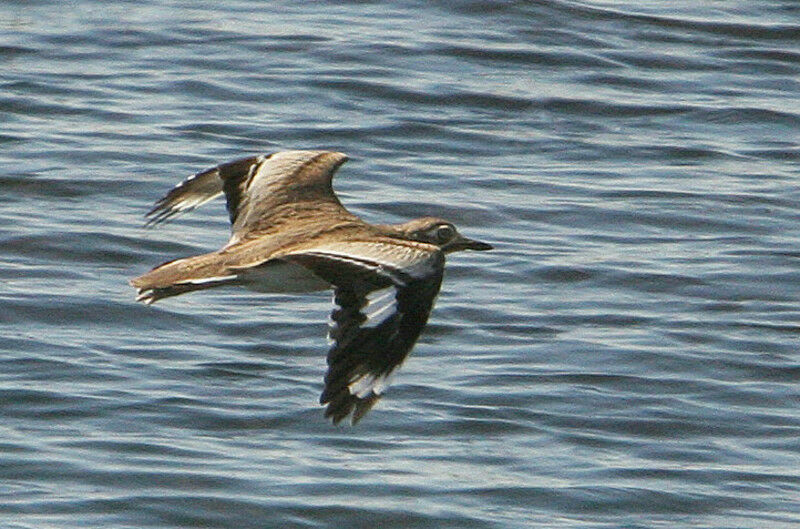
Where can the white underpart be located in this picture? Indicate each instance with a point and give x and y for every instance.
(281, 277)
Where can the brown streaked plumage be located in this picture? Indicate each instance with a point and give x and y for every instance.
(290, 233)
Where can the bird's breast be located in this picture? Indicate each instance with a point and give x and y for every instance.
(281, 277)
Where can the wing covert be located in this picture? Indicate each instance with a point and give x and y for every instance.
(258, 188)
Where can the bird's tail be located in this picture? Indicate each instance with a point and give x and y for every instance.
(181, 276)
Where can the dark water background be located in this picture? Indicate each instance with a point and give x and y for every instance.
(627, 357)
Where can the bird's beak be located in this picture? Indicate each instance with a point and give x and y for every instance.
(462, 243)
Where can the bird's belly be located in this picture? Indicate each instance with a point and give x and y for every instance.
(281, 277)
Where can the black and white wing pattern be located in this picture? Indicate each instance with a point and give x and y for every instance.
(203, 187)
(382, 302)
(256, 187)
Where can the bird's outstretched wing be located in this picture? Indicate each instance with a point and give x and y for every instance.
(202, 187)
(382, 301)
(257, 187)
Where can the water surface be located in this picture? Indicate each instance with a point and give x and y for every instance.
(626, 357)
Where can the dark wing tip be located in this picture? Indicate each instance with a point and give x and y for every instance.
(344, 404)
(161, 212)
(201, 187)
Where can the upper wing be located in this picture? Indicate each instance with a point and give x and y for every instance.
(202, 187)
(256, 187)
(383, 298)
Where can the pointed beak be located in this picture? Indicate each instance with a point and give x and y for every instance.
(462, 243)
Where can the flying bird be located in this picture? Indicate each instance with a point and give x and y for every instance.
(290, 234)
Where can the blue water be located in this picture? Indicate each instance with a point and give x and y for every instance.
(627, 356)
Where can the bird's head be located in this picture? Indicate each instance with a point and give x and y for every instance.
(439, 232)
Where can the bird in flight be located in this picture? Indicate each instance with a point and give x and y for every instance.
(290, 234)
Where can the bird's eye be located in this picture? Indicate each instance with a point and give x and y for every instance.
(444, 233)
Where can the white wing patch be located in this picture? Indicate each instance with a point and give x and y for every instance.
(192, 201)
(384, 291)
(145, 296)
(189, 194)
(380, 305)
(369, 383)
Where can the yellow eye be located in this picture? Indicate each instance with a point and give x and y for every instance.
(444, 233)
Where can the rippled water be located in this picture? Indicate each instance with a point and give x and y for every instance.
(626, 357)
